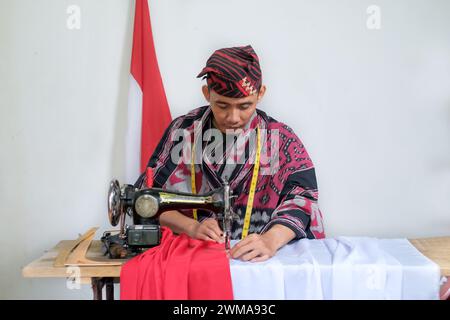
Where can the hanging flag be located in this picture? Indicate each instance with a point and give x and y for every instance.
(148, 110)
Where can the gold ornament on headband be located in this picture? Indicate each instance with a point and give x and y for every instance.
(247, 86)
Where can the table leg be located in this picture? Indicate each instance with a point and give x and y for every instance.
(109, 282)
(97, 288)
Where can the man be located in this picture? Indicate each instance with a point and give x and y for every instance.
(279, 204)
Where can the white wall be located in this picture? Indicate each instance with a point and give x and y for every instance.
(371, 106)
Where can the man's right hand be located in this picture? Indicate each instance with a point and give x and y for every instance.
(208, 230)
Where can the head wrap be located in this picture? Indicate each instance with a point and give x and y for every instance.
(233, 72)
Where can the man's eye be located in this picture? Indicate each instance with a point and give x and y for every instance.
(245, 106)
(223, 106)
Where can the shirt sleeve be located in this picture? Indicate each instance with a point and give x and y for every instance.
(297, 206)
(298, 203)
(162, 148)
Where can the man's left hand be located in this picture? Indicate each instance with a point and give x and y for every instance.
(259, 247)
(255, 247)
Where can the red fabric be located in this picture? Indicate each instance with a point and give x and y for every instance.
(180, 268)
(144, 68)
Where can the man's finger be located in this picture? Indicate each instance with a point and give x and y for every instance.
(239, 245)
(212, 234)
(217, 232)
(260, 258)
(214, 225)
(204, 237)
(242, 250)
(250, 255)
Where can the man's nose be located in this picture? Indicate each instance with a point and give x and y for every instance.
(233, 116)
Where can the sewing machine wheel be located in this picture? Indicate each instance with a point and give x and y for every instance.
(114, 203)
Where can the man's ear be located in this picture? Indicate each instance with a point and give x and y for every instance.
(261, 92)
(205, 91)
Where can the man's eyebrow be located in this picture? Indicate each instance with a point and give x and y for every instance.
(240, 103)
(220, 101)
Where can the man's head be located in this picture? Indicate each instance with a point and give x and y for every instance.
(234, 86)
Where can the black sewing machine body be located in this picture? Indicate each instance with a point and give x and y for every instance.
(145, 205)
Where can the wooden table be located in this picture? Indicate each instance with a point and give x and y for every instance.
(98, 276)
(437, 249)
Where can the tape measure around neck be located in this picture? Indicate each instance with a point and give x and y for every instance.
(193, 188)
(251, 195)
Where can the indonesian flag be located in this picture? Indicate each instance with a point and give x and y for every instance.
(148, 110)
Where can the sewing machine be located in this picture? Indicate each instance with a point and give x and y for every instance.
(145, 205)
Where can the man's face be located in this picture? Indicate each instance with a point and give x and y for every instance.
(231, 113)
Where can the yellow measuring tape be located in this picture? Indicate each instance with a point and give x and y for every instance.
(193, 188)
(251, 196)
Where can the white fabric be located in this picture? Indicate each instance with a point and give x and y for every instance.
(341, 268)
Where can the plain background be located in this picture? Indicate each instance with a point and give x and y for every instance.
(371, 106)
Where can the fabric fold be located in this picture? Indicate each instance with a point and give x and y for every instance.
(180, 268)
